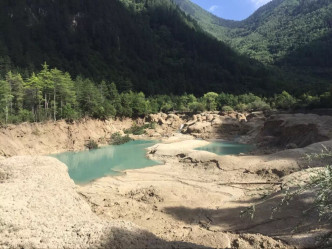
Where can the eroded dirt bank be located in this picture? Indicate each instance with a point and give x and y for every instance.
(278, 130)
(54, 137)
(193, 201)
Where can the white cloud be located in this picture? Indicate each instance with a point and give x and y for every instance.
(259, 3)
(213, 8)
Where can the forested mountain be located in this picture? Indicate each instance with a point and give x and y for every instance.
(288, 33)
(68, 59)
(142, 45)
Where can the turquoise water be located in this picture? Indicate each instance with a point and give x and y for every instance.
(227, 148)
(85, 166)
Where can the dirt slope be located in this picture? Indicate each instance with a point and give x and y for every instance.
(40, 208)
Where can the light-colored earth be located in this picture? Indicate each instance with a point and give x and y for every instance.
(194, 200)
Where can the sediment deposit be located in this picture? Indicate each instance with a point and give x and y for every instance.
(194, 200)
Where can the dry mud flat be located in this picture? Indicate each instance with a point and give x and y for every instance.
(193, 201)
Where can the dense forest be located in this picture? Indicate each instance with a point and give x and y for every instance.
(52, 94)
(295, 35)
(145, 45)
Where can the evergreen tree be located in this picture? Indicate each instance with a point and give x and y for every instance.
(16, 83)
(5, 99)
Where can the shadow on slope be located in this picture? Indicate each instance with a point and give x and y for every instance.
(311, 60)
(127, 239)
(294, 219)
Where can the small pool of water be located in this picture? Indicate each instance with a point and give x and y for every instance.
(226, 148)
(85, 166)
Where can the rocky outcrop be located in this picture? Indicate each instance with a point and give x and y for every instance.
(295, 130)
(166, 124)
(215, 125)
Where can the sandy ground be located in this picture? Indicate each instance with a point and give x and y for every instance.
(194, 200)
(198, 196)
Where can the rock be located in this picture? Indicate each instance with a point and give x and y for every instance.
(291, 146)
(209, 117)
(152, 118)
(295, 129)
(156, 134)
(173, 117)
(161, 121)
(217, 121)
(199, 127)
(241, 117)
(232, 115)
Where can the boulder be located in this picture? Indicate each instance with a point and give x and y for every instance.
(199, 127)
(209, 117)
(241, 117)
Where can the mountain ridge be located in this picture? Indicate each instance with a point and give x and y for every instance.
(301, 21)
(148, 46)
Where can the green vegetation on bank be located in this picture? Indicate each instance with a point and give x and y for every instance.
(139, 130)
(117, 139)
(91, 145)
(52, 94)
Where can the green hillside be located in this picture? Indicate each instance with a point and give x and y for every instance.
(149, 46)
(283, 32)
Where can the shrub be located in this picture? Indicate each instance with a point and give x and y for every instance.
(226, 99)
(91, 145)
(241, 107)
(139, 130)
(210, 101)
(227, 108)
(196, 107)
(135, 130)
(259, 105)
(117, 139)
(284, 101)
(152, 125)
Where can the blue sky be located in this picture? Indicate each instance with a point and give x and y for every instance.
(231, 9)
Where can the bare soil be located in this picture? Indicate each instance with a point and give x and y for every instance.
(195, 199)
